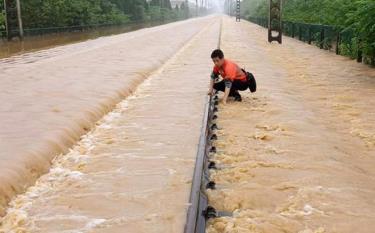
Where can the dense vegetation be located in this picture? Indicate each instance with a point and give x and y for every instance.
(61, 13)
(357, 16)
(2, 17)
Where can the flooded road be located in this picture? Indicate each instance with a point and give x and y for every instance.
(299, 155)
(133, 171)
(35, 43)
(52, 97)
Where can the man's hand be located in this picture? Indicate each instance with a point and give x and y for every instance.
(226, 94)
(210, 92)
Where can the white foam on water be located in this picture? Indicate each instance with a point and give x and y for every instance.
(93, 223)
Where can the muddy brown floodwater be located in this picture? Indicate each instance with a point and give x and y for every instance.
(299, 155)
(133, 171)
(52, 97)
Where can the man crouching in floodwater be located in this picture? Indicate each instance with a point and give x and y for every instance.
(234, 78)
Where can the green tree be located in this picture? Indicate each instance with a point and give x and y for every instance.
(59, 13)
(65, 13)
(355, 17)
(2, 16)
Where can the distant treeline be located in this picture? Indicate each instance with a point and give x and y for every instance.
(355, 16)
(65, 13)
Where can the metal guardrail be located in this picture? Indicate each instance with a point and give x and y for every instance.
(199, 210)
(342, 41)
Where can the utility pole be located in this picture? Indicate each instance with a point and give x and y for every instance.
(230, 7)
(13, 19)
(274, 21)
(196, 8)
(201, 10)
(238, 10)
(186, 9)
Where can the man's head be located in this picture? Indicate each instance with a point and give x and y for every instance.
(217, 57)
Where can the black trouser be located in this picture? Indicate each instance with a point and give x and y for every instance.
(237, 85)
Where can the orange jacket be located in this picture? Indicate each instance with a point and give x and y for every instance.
(230, 71)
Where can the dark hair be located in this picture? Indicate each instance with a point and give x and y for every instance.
(217, 53)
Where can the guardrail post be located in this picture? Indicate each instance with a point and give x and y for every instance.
(359, 51)
(309, 39)
(293, 32)
(322, 38)
(338, 42)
